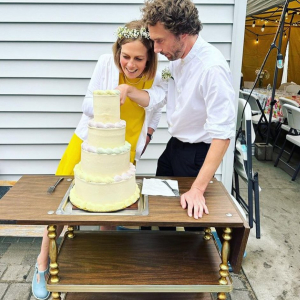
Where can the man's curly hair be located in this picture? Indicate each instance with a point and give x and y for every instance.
(177, 16)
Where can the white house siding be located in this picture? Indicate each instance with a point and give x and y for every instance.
(48, 50)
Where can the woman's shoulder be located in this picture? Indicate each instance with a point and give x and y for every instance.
(106, 57)
(105, 61)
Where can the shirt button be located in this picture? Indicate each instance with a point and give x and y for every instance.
(179, 90)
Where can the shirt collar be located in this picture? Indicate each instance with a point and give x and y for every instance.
(195, 50)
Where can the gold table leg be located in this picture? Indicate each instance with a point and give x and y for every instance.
(53, 254)
(56, 296)
(54, 278)
(207, 235)
(224, 269)
(70, 232)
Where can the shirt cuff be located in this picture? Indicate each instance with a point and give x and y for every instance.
(223, 132)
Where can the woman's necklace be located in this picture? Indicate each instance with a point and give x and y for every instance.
(132, 83)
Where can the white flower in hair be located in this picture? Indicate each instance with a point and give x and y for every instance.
(132, 33)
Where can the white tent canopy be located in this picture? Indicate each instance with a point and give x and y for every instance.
(257, 6)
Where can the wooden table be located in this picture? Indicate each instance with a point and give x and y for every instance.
(134, 264)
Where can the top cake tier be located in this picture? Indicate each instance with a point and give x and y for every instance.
(106, 106)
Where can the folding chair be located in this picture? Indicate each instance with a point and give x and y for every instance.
(259, 118)
(285, 126)
(293, 136)
(243, 164)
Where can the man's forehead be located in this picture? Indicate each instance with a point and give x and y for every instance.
(158, 31)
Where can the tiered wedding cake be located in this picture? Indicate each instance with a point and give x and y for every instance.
(105, 178)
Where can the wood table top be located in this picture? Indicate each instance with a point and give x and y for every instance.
(27, 202)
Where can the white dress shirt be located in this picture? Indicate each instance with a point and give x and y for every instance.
(106, 77)
(200, 98)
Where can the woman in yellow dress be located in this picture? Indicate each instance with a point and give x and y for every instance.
(133, 62)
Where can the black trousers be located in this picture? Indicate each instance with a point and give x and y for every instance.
(182, 160)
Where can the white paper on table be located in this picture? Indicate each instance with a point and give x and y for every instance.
(155, 187)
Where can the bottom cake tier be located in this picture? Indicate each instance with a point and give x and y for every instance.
(104, 197)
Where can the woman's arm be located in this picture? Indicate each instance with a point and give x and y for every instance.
(140, 97)
(155, 97)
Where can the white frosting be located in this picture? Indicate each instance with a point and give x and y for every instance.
(106, 92)
(101, 150)
(96, 164)
(120, 124)
(104, 196)
(105, 178)
(106, 137)
(106, 108)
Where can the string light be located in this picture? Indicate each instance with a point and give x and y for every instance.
(256, 40)
(285, 35)
(263, 28)
(253, 25)
(279, 62)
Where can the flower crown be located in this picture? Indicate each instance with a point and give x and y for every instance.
(132, 33)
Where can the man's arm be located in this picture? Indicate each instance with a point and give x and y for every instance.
(194, 198)
(148, 139)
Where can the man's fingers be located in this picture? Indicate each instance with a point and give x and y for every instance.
(206, 209)
(201, 211)
(197, 209)
(182, 201)
(190, 209)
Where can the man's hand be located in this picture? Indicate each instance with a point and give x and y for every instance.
(194, 200)
(147, 142)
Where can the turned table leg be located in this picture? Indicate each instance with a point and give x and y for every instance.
(53, 254)
(56, 296)
(224, 269)
(207, 234)
(70, 232)
(54, 278)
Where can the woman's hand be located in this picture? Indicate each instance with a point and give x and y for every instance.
(140, 97)
(124, 89)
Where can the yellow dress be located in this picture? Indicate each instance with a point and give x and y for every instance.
(70, 158)
(132, 113)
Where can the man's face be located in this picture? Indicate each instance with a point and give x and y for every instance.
(166, 43)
